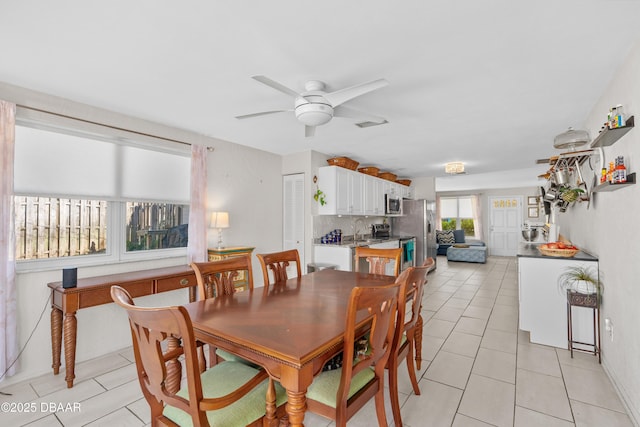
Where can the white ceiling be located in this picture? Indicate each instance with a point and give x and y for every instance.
(488, 83)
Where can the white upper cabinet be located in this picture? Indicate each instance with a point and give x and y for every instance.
(350, 192)
(343, 189)
(373, 196)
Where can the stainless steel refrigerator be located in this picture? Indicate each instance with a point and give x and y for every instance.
(418, 220)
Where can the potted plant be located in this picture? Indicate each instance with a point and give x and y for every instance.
(570, 194)
(319, 197)
(580, 279)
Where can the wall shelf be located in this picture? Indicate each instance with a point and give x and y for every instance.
(631, 179)
(609, 136)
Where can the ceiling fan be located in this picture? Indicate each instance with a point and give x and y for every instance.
(315, 107)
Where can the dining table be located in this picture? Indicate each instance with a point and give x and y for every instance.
(291, 329)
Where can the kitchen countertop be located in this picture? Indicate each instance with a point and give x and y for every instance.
(530, 250)
(366, 241)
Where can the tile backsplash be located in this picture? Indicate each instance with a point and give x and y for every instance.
(322, 224)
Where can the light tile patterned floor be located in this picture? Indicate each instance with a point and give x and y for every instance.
(479, 370)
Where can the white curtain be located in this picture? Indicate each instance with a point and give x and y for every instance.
(438, 215)
(197, 246)
(477, 216)
(8, 301)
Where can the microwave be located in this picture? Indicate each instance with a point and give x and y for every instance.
(392, 205)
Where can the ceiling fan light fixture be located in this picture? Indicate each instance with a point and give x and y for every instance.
(313, 114)
(454, 168)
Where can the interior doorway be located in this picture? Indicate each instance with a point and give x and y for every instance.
(293, 214)
(505, 216)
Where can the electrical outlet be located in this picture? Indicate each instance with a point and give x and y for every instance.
(608, 326)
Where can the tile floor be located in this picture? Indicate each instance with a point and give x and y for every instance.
(479, 370)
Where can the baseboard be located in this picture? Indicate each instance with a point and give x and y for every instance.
(633, 412)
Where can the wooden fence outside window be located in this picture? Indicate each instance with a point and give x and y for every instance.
(52, 227)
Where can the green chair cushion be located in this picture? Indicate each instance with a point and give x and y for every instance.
(325, 386)
(230, 357)
(221, 379)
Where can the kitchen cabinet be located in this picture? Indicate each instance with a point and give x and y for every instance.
(342, 256)
(543, 304)
(349, 192)
(344, 192)
(373, 196)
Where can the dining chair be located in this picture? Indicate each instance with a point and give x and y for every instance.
(404, 343)
(430, 263)
(378, 259)
(338, 394)
(215, 278)
(277, 263)
(229, 394)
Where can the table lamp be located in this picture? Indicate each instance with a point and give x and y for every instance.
(220, 220)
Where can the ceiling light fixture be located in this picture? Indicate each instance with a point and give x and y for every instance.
(454, 168)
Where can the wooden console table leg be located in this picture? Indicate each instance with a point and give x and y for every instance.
(418, 341)
(56, 338)
(70, 332)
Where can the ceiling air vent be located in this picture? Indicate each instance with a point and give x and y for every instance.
(369, 124)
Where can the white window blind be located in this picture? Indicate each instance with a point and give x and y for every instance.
(465, 209)
(448, 208)
(54, 163)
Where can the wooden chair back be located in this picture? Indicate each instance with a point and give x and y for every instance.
(160, 336)
(216, 277)
(409, 321)
(277, 263)
(378, 259)
(380, 303)
(430, 263)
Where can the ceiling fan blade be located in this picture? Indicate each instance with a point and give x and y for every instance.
(277, 86)
(542, 161)
(309, 131)
(352, 113)
(343, 95)
(264, 113)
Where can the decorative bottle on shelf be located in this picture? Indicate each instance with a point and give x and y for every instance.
(620, 122)
(603, 176)
(610, 173)
(621, 170)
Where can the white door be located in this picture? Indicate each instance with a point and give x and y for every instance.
(504, 226)
(293, 214)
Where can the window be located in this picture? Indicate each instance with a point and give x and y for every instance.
(156, 226)
(457, 213)
(80, 198)
(51, 227)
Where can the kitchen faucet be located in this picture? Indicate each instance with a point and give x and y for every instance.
(356, 229)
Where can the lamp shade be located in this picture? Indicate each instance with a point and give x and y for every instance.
(220, 220)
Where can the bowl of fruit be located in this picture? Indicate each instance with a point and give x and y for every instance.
(558, 249)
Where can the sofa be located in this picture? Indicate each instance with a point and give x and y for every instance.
(447, 238)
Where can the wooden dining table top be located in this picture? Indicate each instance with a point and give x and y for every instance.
(293, 323)
(291, 330)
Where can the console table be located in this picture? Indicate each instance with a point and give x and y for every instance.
(93, 291)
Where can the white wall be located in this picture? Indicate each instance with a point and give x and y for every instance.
(244, 181)
(609, 230)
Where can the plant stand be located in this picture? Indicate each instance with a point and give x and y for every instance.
(576, 299)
